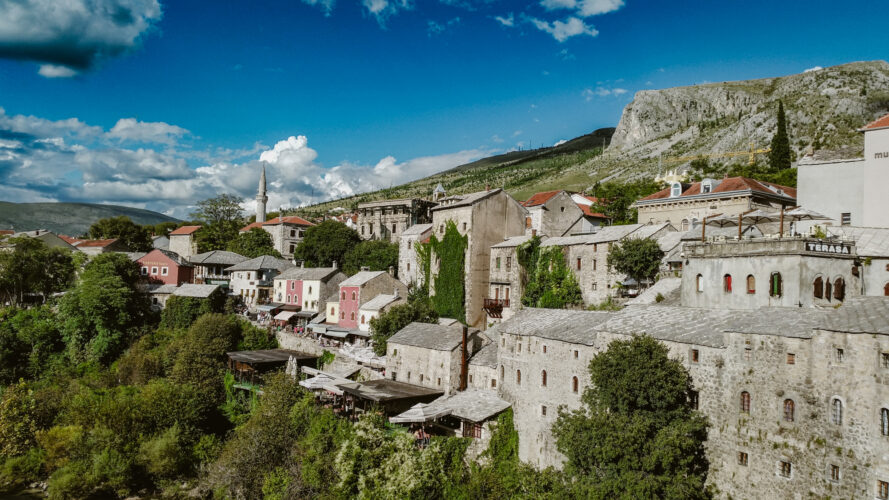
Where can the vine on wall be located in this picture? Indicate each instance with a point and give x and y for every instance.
(450, 282)
(550, 283)
(424, 259)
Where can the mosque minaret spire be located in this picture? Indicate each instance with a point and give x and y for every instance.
(261, 198)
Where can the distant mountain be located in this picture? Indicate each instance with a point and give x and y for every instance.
(824, 108)
(72, 219)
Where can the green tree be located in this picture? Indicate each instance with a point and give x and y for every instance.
(377, 255)
(398, 317)
(33, 268)
(638, 258)
(637, 434)
(614, 199)
(551, 284)
(28, 340)
(161, 228)
(199, 356)
(780, 155)
(135, 237)
(181, 312)
(326, 243)
(254, 243)
(104, 309)
(221, 217)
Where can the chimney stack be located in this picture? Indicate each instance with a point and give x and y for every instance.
(464, 361)
(334, 264)
(391, 271)
(302, 264)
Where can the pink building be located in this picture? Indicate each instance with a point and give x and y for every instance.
(164, 266)
(361, 288)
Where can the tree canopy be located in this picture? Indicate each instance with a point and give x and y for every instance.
(550, 283)
(398, 317)
(135, 237)
(638, 258)
(637, 434)
(33, 268)
(780, 154)
(377, 255)
(221, 217)
(614, 199)
(326, 243)
(254, 243)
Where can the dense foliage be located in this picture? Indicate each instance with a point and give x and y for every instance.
(780, 154)
(550, 283)
(31, 267)
(376, 255)
(135, 237)
(637, 434)
(253, 243)
(638, 258)
(397, 317)
(221, 218)
(614, 199)
(326, 243)
(181, 312)
(450, 281)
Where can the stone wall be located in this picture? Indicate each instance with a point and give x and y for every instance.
(438, 370)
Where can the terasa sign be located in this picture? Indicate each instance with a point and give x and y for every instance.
(829, 248)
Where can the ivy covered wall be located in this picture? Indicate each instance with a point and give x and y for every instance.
(450, 282)
(550, 283)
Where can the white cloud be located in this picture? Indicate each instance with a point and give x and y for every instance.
(585, 8)
(130, 129)
(589, 93)
(382, 9)
(559, 143)
(434, 28)
(619, 91)
(565, 55)
(562, 31)
(326, 5)
(508, 21)
(815, 68)
(517, 133)
(73, 35)
(497, 139)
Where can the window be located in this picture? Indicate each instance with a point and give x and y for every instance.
(594, 264)
(693, 399)
(501, 371)
(834, 472)
(353, 295)
(818, 288)
(543, 410)
(836, 415)
(352, 316)
(439, 379)
(751, 284)
(840, 355)
(845, 219)
(310, 289)
(144, 270)
(293, 233)
(675, 190)
(395, 352)
(575, 354)
(527, 222)
(775, 285)
(791, 358)
(508, 263)
(464, 227)
(343, 315)
(784, 468)
(727, 283)
(574, 384)
(518, 377)
(472, 430)
(561, 209)
(497, 263)
(493, 383)
(595, 286)
(595, 247)
(408, 266)
(332, 311)
(154, 271)
(788, 410)
(839, 289)
(578, 263)
(362, 319)
(699, 283)
(544, 349)
(882, 490)
(441, 228)
(695, 355)
(293, 285)
(393, 228)
(289, 298)
(342, 295)
(706, 186)
(421, 378)
(742, 458)
(748, 353)
(884, 421)
(745, 402)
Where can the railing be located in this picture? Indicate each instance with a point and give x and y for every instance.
(496, 303)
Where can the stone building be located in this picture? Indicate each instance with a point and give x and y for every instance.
(787, 272)
(286, 231)
(486, 218)
(253, 280)
(506, 279)
(49, 238)
(685, 204)
(183, 240)
(308, 288)
(387, 219)
(376, 306)
(431, 355)
(592, 220)
(164, 266)
(97, 247)
(851, 191)
(552, 213)
(408, 264)
(362, 288)
(212, 267)
(872, 248)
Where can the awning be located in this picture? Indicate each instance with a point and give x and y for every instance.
(268, 307)
(306, 314)
(419, 413)
(335, 333)
(285, 316)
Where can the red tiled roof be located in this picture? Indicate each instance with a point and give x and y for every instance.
(70, 239)
(726, 186)
(878, 123)
(96, 243)
(540, 198)
(251, 226)
(7, 231)
(184, 230)
(299, 221)
(589, 213)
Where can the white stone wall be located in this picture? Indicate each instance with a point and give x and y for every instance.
(408, 263)
(438, 370)
(184, 245)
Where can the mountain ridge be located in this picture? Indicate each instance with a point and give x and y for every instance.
(71, 219)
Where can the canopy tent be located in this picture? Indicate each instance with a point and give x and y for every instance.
(800, 213)
(722, 221)
(268, 307)
(285, 315)
(761, 216)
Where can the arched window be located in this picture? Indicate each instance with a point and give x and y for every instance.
(352, 316)
(836, 415)
(776, 285)
(332, 311)
(699, 283)
(310, 289)
(886, 289)
(751, 284)
(884, 421)
(828, 290)
(788, 410)
(518, 377)
(727, 283)
(501, 372)
(362, 319)
(839, 289)
(343, 315)
(353, 295)
(543, 378)
(818, 288)
(675, 190)
(342, 295)
(745, 402)
(574, 385)
(684, 225)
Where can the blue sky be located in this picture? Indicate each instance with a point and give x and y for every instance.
(159, 104)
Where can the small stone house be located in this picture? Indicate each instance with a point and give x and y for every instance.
(307, 288)
(253, 280)
(431, 355)
(551, 213)
(408, 262)
(362, 288)
(375, 307)
(183, 241)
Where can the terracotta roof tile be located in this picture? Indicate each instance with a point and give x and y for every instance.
(96, 243)
(728, 185)
(878, 123)
(250, 226)
(70, 239)
(299, 221)
(184, 230)
(589, 213)
(540, 198)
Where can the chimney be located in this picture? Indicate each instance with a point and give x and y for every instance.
(391, 271)
(487, 187)
(396, 292)
(365, 268)
(334, 264)
(464, 361)
(302, 264)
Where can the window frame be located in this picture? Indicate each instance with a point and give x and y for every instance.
(789, 410)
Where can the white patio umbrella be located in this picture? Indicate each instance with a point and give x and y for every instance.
(419, 413)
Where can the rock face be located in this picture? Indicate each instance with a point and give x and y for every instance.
(824, 109)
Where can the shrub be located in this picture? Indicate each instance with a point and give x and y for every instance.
(164, 456)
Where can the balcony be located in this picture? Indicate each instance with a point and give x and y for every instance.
(494, 307)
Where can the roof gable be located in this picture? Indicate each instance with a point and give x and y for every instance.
(882, 122)
(184, 230)
(540, 198)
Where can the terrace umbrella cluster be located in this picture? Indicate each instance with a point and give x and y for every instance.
(760, 216)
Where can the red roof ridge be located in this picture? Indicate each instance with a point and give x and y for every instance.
(540, 198)
(184, 230)
(881, 122)
(97, 243)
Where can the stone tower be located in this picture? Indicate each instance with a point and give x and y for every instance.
(261, 198)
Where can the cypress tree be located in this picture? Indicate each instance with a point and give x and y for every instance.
(779, 157)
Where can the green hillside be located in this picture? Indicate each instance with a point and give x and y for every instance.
(69, 218)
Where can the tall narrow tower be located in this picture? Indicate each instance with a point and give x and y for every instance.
(261, 198)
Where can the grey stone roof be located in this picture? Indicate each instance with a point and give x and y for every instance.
(648, 230)
(200, 291)
(379, 302)
(859, 315)
(474, 405)
(614, 233)
(308, 273)
(869, 241)
(175, 257)
(667, 287)
(564, 241)
(576, 327)
(416, 230)
(134, 256)
(792, 322)
(361, 278)
(217, 257)
(467, 199)
(513, 241)
(263, 262)
(159, 289)
(677, 324)
(487, 356)
(431, 336)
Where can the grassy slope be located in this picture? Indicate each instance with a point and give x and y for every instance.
(69, 218)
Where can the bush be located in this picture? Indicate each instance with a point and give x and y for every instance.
(16, 472)
(60, 443)
(165, 455)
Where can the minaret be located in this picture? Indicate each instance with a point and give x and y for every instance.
(261, 198)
